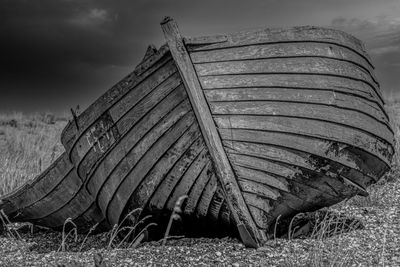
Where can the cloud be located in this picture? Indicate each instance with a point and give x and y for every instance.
(91, 18)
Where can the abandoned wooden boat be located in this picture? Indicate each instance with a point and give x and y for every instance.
(250, 126)
(52, 197)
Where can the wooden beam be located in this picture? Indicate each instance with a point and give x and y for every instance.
(249, 232)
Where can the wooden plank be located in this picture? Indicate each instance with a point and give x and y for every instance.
(281, 50)
(259, 189)
(320, 97)
(94, 151)
(139, 98)
(336, 152)
(260, 217)
(187, 180)
(205, 200)
(115, 195)
(260, 176)
(111, 96)
(345, 117)
(284, 35)
(77, 206)
(172, 162)
(197, 188)
(176, 176)
(57, 198)
(137, 140)
(295, 165)
(223, 169)
(259, 202)
(302, 65)
(39, 187)
(300, 81)
(316, 129)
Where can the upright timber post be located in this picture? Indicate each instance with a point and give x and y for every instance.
(251, 236)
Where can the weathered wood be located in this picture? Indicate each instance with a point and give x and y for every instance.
(115, 194)
(216, 204)
(189, 179)
(243, 171)
(119, 113)
(260, 217)
(259, 189)
(300, 81)
(309, 96)
(172, 91)
(197, 188)
(312, 128)
(206, 197)
(210, 134)
(40, 186)
(281, 50)
(345, 117)
(110, 97)
(169, 163)
(283, 35)
(335, 152)
(140, 138)
(303, 65)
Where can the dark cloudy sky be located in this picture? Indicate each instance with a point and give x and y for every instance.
(55, 54)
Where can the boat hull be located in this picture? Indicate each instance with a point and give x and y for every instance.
(292, 121)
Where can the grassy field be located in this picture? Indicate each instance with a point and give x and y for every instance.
(29, 143)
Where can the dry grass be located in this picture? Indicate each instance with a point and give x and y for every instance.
(30, 143)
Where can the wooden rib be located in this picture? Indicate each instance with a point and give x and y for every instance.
(188, 180)
(113, 197)
(205, 200)
(178, 157)
(322, 148)
(284, 35)
(111, 96)
(248, 231)
(216, 204)
(172, 90)
(281, 50)
(293, 95)
(300, 81)
(162, 80)
(197, 188)
(312, 128)
(302, 65)
(308, 111)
